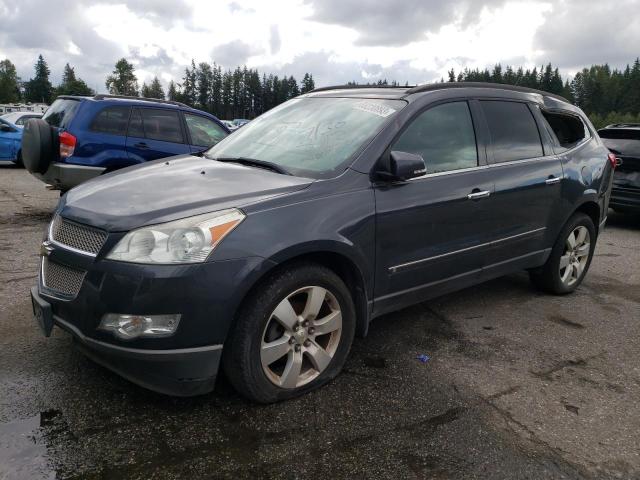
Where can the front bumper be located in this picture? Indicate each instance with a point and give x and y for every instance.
(179, 372)
(64, 176)
(205, 295)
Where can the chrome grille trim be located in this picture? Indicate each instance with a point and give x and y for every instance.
(76, 237)
(60, 280)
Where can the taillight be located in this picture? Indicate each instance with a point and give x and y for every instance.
(613, 160)
(67, 144)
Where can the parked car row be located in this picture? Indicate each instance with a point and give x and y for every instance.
(267, 253)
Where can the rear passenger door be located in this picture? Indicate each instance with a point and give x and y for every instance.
(527, 178)
(155, 133)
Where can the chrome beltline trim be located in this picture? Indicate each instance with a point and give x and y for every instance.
(395, 268)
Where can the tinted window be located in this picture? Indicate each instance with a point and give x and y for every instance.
(161, 125)
(513, 130)
(444, 136)
(204, 132)
(135, 124)
(569, 130)
(61, 112)
(112, 120)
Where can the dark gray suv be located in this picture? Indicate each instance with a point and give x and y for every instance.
(269, 252)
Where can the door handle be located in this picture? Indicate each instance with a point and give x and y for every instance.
(552, 180)
(479, 195)
(141, 145)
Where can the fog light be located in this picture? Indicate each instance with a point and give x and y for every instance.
(129, 327)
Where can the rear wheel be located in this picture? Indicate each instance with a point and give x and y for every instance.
(292, 335)
(570, 257)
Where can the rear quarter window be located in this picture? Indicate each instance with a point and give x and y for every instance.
(61, 112)
(569, 130)
(111, 120)
(514, 132)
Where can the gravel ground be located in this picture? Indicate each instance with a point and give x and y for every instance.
(519, 385)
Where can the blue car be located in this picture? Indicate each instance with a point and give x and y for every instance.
(10, 140)
(80, 138)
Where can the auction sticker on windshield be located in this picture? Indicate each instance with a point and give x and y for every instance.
(375, 108)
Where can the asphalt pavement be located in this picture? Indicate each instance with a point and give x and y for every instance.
(518, 384)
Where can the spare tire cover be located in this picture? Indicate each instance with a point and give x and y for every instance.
(37, 145)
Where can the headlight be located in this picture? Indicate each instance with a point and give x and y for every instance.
(189, 240)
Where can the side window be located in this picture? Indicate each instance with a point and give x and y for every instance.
(569, 130)
(163, 125)
(513, 130)
(444, 136)
(204, 132)
(135, 124)
(111, 120)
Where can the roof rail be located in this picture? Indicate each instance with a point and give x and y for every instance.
(102, 96)
(349, 86)
(502, 86)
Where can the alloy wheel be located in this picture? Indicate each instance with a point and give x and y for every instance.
(576, 255)
(301, 337)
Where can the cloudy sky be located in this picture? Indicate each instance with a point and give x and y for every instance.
(335, 40)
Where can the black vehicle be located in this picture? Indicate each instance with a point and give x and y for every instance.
(623, 140)
(269, 253)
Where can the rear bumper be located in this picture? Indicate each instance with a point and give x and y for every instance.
(624, 198)
(64, 176)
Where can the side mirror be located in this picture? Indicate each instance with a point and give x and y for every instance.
(5, 128)
(405, 165)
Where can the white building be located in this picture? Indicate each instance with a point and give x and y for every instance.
(23, 107)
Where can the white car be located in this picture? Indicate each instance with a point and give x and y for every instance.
(19, 118)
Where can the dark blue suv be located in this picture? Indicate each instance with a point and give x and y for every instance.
(82, 137)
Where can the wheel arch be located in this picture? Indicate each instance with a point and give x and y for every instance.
(338, 262)
(592, 210)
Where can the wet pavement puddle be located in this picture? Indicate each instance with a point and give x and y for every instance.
(23, 452)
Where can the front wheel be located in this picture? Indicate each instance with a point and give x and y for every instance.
(570, 257)
(292, 335)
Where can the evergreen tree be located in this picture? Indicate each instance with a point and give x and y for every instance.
(172, 92)
(9, 82)
(123, 80)
(39, 88)
(71, 85)
(307, 83)
(155, 90)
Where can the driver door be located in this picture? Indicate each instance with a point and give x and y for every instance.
(430, 230)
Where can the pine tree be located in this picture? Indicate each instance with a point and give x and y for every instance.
(9, 82)
(71, 85)
(39, 88)
(172, 92)
(123, 80)
(154, 90)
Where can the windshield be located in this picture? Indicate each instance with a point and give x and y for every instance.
(309, 137)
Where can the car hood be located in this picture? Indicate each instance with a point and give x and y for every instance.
(169, 189)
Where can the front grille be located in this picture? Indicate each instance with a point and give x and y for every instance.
(60, 279)
(76, 236)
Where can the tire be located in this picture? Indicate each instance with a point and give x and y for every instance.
(38, 145)
(553, 276)
(249, 361)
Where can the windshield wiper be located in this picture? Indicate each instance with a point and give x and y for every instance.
(253, 162)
